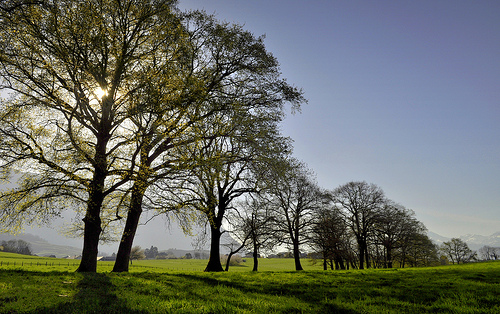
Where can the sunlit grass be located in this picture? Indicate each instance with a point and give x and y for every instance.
(470, 288)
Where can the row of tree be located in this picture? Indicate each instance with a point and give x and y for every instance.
(457, 251)
(353, 226)
(116, 107)
(489, 253)
(16, 246)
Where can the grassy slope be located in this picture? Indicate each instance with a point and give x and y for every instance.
(471, 288)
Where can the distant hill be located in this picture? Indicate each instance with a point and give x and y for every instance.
(42, 247)
(474, 241)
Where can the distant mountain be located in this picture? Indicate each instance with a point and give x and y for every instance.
(439, 239)
(477, 241)
(474, 241)
(42, 247)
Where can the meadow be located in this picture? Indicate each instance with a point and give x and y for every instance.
(46, 285)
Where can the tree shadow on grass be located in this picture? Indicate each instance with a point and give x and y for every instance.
(297, 291)
(95, 294)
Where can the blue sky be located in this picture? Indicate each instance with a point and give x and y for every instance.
(403, 94)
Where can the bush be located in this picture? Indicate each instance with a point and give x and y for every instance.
(235, 260)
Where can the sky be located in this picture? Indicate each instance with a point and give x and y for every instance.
(402, 94)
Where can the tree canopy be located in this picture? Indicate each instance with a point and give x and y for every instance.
(103, 95)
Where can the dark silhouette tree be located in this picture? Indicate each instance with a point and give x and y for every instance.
(330, 238)
(224, 70)
(394, 226)
(360, 203)
(295, 197)
(457, 251)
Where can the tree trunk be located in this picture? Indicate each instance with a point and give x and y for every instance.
(91, 236)
(361, 255)
(325, 264)
(341, 263)
(389, 257)
(255, 260)
(367, 256)
(92, 221)
(296, 256)
(133, 216)
(214, 260)
(229, 260)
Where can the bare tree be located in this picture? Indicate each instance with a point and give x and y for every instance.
(458, 251)
(252, 226)
(295, 197)
(393, 227)
(489, 253)
(417, 249)
(330, 238)
(360, 203)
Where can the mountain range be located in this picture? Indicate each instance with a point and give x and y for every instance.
(474, 241)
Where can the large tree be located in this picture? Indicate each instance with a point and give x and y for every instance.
(74, 70)
(224, 70)
(295, 197)
(360, 203)
(226, 165)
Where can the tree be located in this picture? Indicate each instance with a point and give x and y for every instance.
(360, 204)
(489, 253)
(234, 248)
(73, 69)
(330, 238)
(417, 249)
(224, 70)
(91, 81)
(151, 253)
(295, 198)
(393, 227)
(224, 167)
(251, 225)
(16, 246)
(136, 253)
(457, 251)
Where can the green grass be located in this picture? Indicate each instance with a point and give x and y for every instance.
(15, 261)
(157, 287)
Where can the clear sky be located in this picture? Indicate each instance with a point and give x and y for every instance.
(403, 94)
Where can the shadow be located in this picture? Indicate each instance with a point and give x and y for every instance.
(299, 291)
(95, 294)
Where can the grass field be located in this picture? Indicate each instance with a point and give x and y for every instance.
(180, 286)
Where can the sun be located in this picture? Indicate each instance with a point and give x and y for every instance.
(100, 93)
